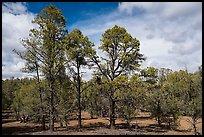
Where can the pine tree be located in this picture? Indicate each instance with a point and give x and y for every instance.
(78, 50)
(44, 49)
(123, 56)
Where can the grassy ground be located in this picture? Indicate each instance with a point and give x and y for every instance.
(99, 126)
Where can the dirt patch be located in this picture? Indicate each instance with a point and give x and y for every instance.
(99, 126)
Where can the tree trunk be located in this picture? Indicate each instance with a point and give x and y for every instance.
(51, 104)
(112, 113)
(91, 110)
(17, 116)
(40, 92)
(66, 125)
(194, 124)
(195, 129)
(38, 120)
(43, 122)
(66, 122)
(24, 121)
(101, 112)
(101, 104)
(79, 94)
(128, 123)
(51, 113)
(43, 118)
(174, 119)
(91, 114)
(158, 113)
(61, 122)
(128, 119)
(159, 120)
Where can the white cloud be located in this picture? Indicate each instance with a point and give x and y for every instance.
(142, 6)
(16, 23)
(170, 33)
(162, 9)
(14, 8)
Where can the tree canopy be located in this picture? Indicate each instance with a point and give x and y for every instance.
(119, 88)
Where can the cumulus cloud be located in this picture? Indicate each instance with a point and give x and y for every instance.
(16, 23)
(14, 8)
(170, 32)
(162, 9)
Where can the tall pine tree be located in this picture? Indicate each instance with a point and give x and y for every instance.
(44, 49)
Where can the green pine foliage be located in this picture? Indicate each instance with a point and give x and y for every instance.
(119, 88)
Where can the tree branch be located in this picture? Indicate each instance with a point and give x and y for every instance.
(96, 62)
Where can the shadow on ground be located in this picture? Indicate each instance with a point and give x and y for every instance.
(89, 127)
(154, 128)
(7, 120)
(20, 130)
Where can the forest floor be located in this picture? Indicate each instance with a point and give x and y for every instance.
(99, 126)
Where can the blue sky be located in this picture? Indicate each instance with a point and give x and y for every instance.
(76, 11)
(170, 33)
